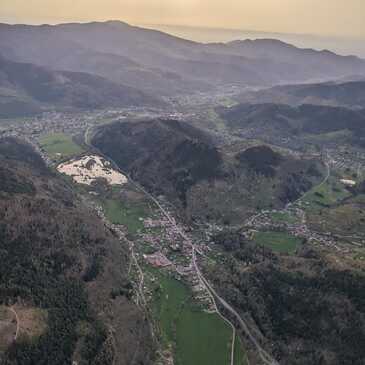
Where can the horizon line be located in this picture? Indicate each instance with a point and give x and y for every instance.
(201, 27)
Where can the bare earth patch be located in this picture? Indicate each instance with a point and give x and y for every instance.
(89, 168)
(32, 321)
(8, 326)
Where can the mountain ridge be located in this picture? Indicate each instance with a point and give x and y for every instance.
(153, 60)
(26, 88)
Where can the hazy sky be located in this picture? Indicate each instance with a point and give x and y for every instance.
(326, 17)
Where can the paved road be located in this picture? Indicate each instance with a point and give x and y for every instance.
(266, 358)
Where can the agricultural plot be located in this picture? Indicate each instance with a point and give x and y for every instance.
(283, 217)
(196, 337)
(282, 242)
(59, 146)
(240, 357)
(333, 208)
(130, 216)
(332, 192)
(345, 219)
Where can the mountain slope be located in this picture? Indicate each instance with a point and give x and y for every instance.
(285, 121)
(310, 310)
(348, 94)
(157, 61)
(62, 264)
(182, 162)
(39, 88)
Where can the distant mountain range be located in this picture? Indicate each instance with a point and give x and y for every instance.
(340, 45)
(29, 89)
(287, 121)
(156, 62)
(347, 94)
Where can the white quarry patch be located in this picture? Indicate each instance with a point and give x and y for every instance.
(89, 168)
(348, 182)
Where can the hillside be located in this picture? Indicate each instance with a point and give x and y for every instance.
(166, 156)
(28, 89)
(181, 162)
(284, 121)
(60, 266)
(310, 310)
(347, 94)
(158, 62)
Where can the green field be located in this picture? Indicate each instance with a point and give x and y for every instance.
(344, 219)
(123, 214)
(60, 145)
(240, 357)
(278, 241)
(330, 208)
(283, 217)
(332, 192)
(197, 337)
(216, 120)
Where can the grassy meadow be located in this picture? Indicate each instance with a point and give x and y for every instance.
(197, 337)
(59, 146)
(282, 242)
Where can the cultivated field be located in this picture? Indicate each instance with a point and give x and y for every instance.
(197, 337)
(278, 241)
(124, 214)
(59, 146)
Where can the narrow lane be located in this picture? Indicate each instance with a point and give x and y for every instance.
(17, 322)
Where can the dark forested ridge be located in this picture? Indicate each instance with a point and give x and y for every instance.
(347, 94)
(285, 121)
(183, 163)
(58, 258)
(27, 89)
(308, 309)
(164, 155)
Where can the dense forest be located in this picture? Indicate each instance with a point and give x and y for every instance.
(309, 310)
(56, 256)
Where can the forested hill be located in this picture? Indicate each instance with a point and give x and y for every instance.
(347, 94)
(27, 89)
(62, 271)
(183, 163)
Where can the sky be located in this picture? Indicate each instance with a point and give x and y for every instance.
(322, 17)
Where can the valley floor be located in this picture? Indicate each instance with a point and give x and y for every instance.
(190, 322)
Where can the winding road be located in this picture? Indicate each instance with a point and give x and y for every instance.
(266, 358)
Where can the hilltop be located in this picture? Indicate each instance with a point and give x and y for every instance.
(177, 160)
